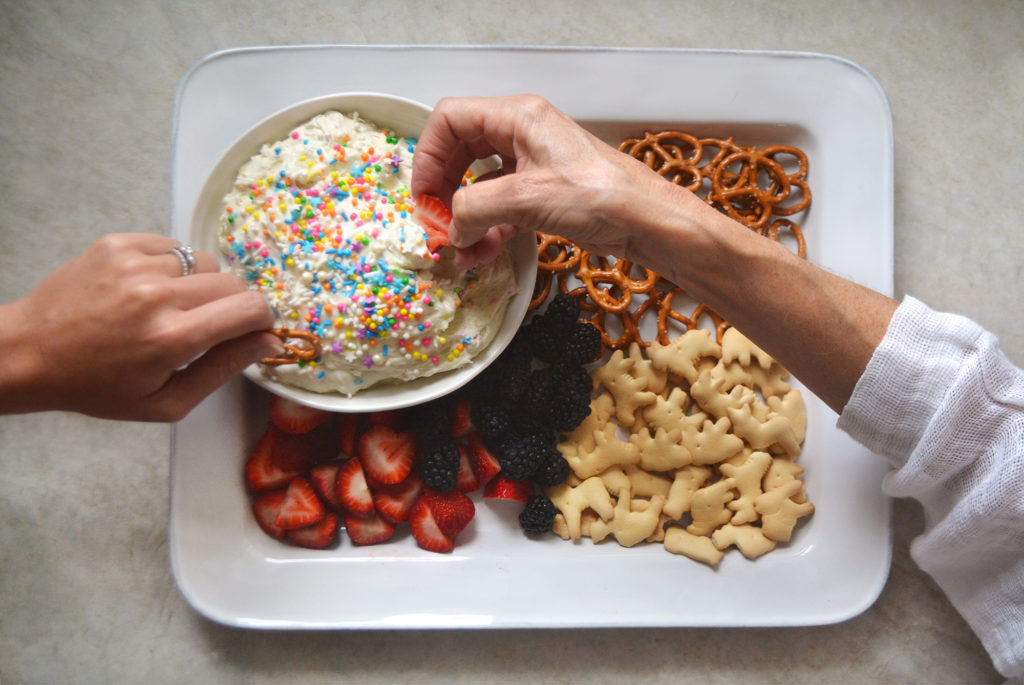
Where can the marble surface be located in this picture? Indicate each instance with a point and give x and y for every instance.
(86, 94)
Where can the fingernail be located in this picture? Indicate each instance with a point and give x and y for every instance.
(272, 350)
(454, 235)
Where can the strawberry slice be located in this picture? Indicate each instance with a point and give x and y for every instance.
(317, 536)
(261, 474)
(292, 417)
(347, 428)
(501, 487)
(394, 502)
(425, 529)
(300, 452)
(462, 425)
(466, 480)
(435, 217)
(485, 465)
(391, 418)
(324, 478)
(301, 507)
(265, 508)
(452, 510)
(386, 455)
(368, 530)
(353, 492)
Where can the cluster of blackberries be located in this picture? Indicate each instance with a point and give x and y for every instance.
(520, 406)
(536, 389)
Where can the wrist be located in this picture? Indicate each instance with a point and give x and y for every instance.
(20, 367)
(673, 232)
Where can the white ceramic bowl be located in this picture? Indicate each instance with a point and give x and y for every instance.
(406, 118)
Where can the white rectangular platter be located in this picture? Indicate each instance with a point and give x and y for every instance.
(838, 561)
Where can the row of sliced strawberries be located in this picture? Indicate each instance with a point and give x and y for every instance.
(313, 472)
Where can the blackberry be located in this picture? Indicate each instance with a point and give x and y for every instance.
(490, 417)
(520, 456)
(553, 469)
(572, 381)
(538, 516)
(430, 421)
(439, 465)
(539, 392)
(561, 397)
(524, 423)
(546, 342)
(561, 314)
(584, 344)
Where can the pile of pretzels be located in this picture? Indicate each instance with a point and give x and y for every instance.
(758, 186)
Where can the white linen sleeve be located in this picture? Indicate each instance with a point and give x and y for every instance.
(946, 408)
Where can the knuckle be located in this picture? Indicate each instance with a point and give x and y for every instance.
(255, 309)
(534, 106)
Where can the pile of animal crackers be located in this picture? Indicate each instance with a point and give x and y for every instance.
(692, 440)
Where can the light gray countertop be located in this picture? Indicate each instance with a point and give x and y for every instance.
(86, 100)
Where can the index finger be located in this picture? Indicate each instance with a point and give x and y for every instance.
(480, 126)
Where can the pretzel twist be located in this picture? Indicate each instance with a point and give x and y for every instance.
(306, 351)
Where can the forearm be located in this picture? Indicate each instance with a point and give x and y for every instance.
(821, 327)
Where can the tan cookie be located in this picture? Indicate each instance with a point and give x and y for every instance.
(685, 483)
(769, 382)
(775, 432)
(608, 451)
(629, 390)
(713, 443)
(697, 547)
(748, 478)
(781, 472)
(749, 540)
(707, 508)
(791, 405)
(630, 523)
(667, 412)
(738, 348)
(561, 528)
(657, 379)
(662, 451)
(779, 513)
(682, 355)
(571, 501)
(640, 482)
(710, 393)
(659, 531)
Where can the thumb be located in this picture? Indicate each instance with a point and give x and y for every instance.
(506, 200)
(222, 362)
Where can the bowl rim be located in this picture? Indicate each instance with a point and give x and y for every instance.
(386, 395)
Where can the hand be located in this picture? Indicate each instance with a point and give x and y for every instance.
(556, 177)
(119, 333)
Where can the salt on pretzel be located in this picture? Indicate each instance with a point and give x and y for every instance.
(307, 350)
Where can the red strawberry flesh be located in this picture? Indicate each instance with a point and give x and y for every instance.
(387, 456)
(317, 536)
(301, 507)
(292, 417)
(426, 531)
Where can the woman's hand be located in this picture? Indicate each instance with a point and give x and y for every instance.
(118, 332)
(556, 177)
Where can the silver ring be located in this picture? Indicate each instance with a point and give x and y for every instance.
(187, 256)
